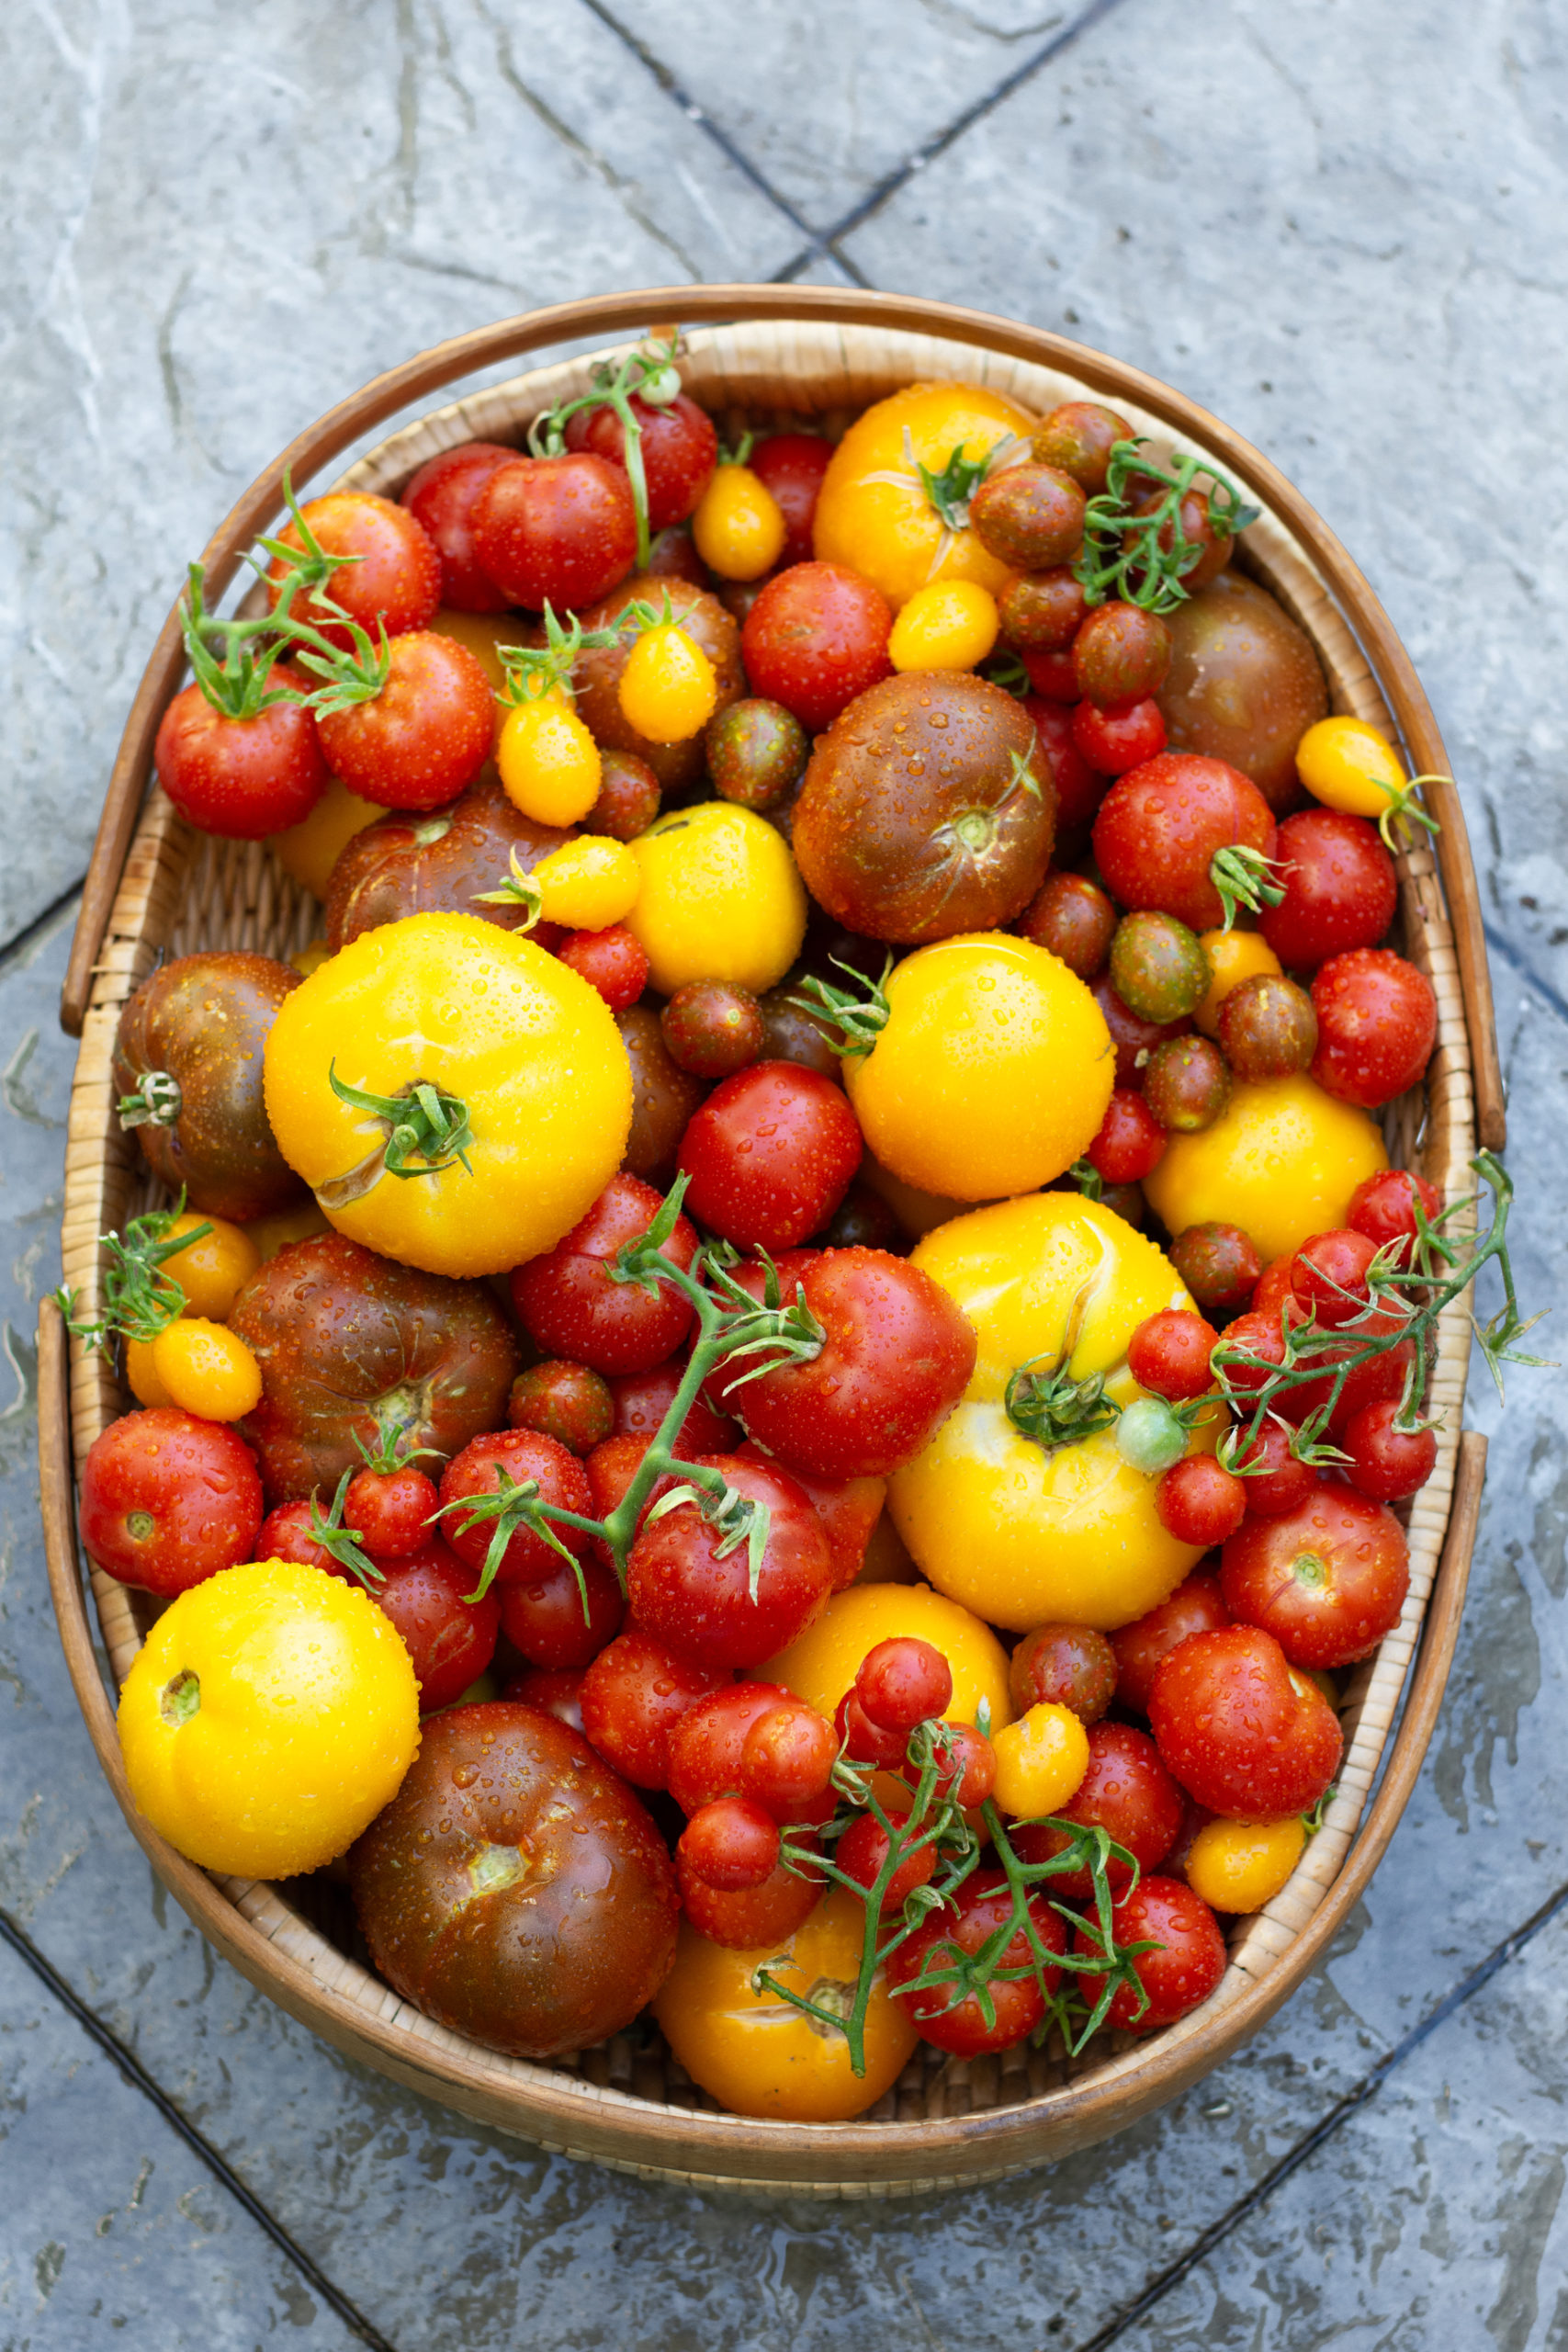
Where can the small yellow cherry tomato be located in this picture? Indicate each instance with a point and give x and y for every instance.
(1234, 956)
(141, 1378)
(668, 688)
(309, 850)
(213, 1271)
(1242, 1865)
(1281, 1161)
(820, 1666)
(721, 899)
(587, 883)
(951, 625)
(547, 761)
(738, 529)
(1041, 1760)
(1348, 765)
(206, 1370)
(760, 2056)
(269, 1715)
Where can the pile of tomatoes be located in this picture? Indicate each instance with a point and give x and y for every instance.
(776, 1380)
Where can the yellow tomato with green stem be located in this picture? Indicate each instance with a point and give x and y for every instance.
(1021, 1507)
(456, 1097)
(1281, 1161)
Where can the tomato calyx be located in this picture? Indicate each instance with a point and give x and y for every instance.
(139, 1299)
(340, 1542)
(1403, 810)
(649, 372)
(237, 684)
(422, 1121)
(394, 1448)
(514, 1506)
(156, 1103)
(948, 493)
(348, 678)
(535, 673)
(737, 1518)
(1054, 1408)
(519, 889)
(1143, 558)
(308, 566)
(1243, 877)
(858, 1019)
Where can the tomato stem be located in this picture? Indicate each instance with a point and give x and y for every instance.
(140, 1300)
(649, 373)
(1122, 555)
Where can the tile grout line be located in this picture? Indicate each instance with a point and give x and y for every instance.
(11, 948)
(1358, 2097)
(825, 242)
(137, 2077)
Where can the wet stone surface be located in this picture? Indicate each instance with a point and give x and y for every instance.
(1337, 227)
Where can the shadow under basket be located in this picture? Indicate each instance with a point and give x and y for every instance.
(769, 355)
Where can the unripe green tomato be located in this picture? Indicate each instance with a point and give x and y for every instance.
(1158, 968)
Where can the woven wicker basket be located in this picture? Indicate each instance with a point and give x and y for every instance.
(155, 886)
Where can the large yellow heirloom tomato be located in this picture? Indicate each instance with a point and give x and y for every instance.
(820, 1666)
(875, 512)
(270, 1714)
(1018, 1533)
(506, 1033)
(760, 2056)
(992, 1073)
(1281, 1161)
(721, 899)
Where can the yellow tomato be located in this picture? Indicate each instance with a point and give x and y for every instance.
(270, 1714)
(820, 1666)
(993, 1072)
(668, 688)
(213, 1271)
(721, 899)
(1234, 956)
(760, 2056)
(1281, 1161)
(548, 763)
(505, 1032)
(309, 850)
(141, 1377)
(1348, 765)
(875, 512)
(951, 625)
(1041, 1760)
(587, 883)
(206, 1370)
(738, 529)
(271, 1234)
(310, 959)
(1242, 1865)
(1020, 1534)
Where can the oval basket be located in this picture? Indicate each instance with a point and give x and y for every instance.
(156, 886)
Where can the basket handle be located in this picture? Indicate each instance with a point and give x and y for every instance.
(444, 363)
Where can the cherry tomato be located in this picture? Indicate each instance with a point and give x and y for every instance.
(1071, 916)
(561, 1622)
(690, 1585)
(1133, 1037)
(1079, 436)
(863, 1853)
(1241, 1731)
(634, 1694)
(756, 752)
(965, 1765)
(947, 625)
(166, 1500)
(1115, 742)
(1186, 1964)
(668, 688)
(1377, 1023)
(731, 1845)
(388, 1510)
(791, 465)
(1383, 1208)
(521, 1456)
(865, 1742)
(641, 1399)
(1198, 527)
(815, 638)
(1187, 1085)
(1030, 515)
(1327, 1579)
(760, 1918)
(610, 961)
(786, 1761)
(553, 1692)
(770, 1154)
(441, 498)
(393, 579)
(426, 735)
(628, 796)
(1052, 676)
(450, 1639)
(558, 531)
(1064, 1665)
(1126, 1792)
(1386, 1462)
(738, 529)
(1042, 611)
(1120, 655)
(1218, 1264)
(1329, 1275)
(1131, 1140)
(286, 1536)
(1276, 1479)
(1234, 956)
(849, 1509)
(207, 1369)
(241, 779)
(1080, 788)
(1199, 1502)
(707, 1745)
(902, 1682)
(565, 1401)
(678, 446)
(570, 1305)
(714, 1028)
(1195, 1607)
(979, 1908)
(1041, 1760)
(1239, 1866)
(1169, 1354)
(663, 1097)
(1339, 884)
(1160, 827)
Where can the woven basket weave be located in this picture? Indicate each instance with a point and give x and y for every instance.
(628, 2103)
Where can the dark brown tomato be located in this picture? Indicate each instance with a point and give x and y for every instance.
(1071, 916)
(795, 1035)
(1079, 436)
(406, 864)
(1041, 611)
(353, 1346)
(597, 676)
(756, 752)
(1134, 1039)
(928, 809)
(628, 798)
(1268, 1027)
(1120, 654)
(1218, 1264)
(202, 1022)
(1064, 1665)
(673, 555)
(1186, 1084)
(1244, 684)
(1029, 515)
(664, 1096)
(514, 1888)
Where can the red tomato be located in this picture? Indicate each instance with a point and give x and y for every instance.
(895, 1357)
(241, 779)
(1279, 1481)
(1134, 1038)
(863, 1851)
(679, 449)
(1126, 1792)
(1327, 1579)
(558, 531)
(1194, 1606)
(642, 1399)
(1258, 1332)
(706, 1746)
(1131, 1142)
(563, 1400)
(691, 1588)
(441, 497)
(815, 638)
(1241, 1733)
(1377, 1023)
(1339, 884)
(770, 1154)
(1387, 1463)
(1328, 1276)
(450, 1639)
(388, 1510)
(1169, 1354)
(1199, 1502)
(551, 1624)
(848, 1508)
(791, 466)
(426, 735)
(570, 1305)
(787, 1759)
(522, 1454)
(1159, 828)
(553, 1692)
(980, 1907)
(1080, 788)
(633, 1696)
(1052, 675)
(731, 1845)
(1382, 1207)
(755, 1918)
(286, 1536)
(1115, 742)
(1182, 1971)
(611, 1468)
(610, 961)
(903, 1681)
(1062, 1666)
(167, 1501)
(393, 580)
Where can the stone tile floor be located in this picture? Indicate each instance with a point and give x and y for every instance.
(1337, 224)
